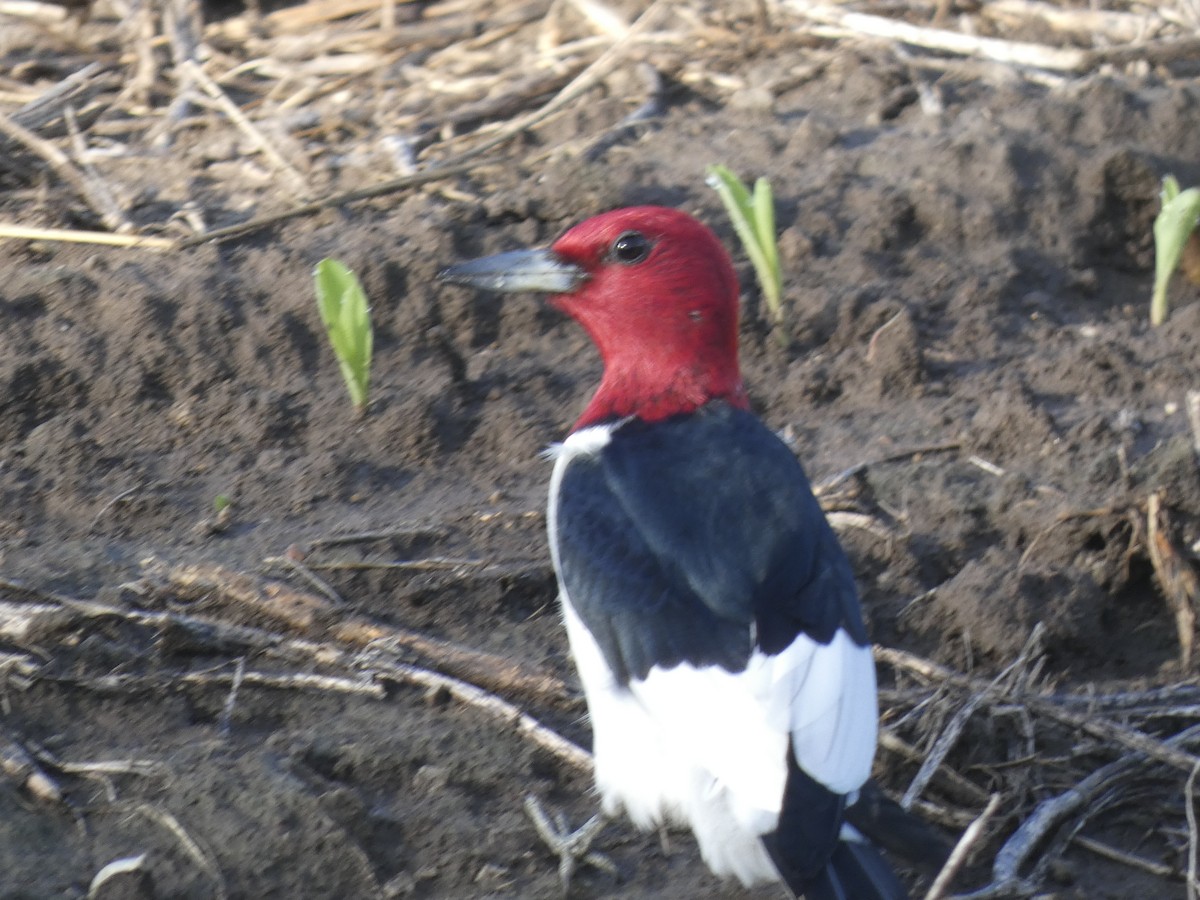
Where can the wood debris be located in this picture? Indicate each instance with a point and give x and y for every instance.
(322, 90)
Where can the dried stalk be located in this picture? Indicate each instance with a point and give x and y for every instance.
(23, 769)
(296, 180)
(71, 236)
(92, 194)
(962, 850)
(1175, 575)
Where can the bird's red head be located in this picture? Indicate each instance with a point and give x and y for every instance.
(657, 293)
(660, 301)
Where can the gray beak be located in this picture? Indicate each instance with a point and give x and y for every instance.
(519, 270)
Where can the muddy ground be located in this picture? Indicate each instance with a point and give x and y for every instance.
(968, 263)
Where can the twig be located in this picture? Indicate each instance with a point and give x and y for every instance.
(916, 665)
(194, 71)
(1017, 53)
(141, 32)
(66, 170)
(181, 23)
(1115, 26)
(141, 767)
(840, 520)
(949, 736)
(916, 602)
(363, 685)
(17, 668)
(1175, 576)
(18, 621)
(1130, 738)
(1013, 52)
(1146, 702)
(1049, 813)
(1192, 402)
(42, 13)
(202, 857)
(941, 748)
(100, 190)
(1189, 799)
(301, 611)
(493, 672)
(318, 12)
(295, 609)
(1161, 750)
(379, 190)
(526, 724)
(580, 84)
(1120, 856)
(360, 537)
(43, 109)
(429, 564)
(951, 780)
(225, 722)
(314, 580)
(989, 467)
(67, 235)
(110, 504)
(18, 765)
(962, 850)
(303, 681)
(48, 105)
(834, 480)
(519, 94)
(126, 865)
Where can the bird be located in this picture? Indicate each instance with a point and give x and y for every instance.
(711, 612)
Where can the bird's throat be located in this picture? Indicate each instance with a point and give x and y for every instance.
(623, 394)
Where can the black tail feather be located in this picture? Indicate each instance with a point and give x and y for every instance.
(885, 823)
(856, 871)
(812, 852)
(819, 858)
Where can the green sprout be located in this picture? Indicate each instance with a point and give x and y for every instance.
(347, 317)
(221, 518)
(753, 217)
(1175, 223)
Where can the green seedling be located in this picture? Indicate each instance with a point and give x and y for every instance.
(221, 518)
(347, 317)
(1175, 223)
(753, 217)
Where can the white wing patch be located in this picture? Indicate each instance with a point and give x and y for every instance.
(707, 748)
(834, 711)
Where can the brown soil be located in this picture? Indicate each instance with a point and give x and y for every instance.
(966, 300)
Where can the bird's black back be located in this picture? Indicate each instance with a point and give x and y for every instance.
(697, 539)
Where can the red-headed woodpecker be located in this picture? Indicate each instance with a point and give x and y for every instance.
(711, 612)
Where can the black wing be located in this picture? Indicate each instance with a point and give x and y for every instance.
(696, 539)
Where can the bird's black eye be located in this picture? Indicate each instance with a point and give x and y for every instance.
(631, 248)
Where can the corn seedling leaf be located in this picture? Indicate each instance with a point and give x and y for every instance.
(1174, 224)
(1170, 189)
(347, 317)
(764, 223)
(753, 219)
(732, 191)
